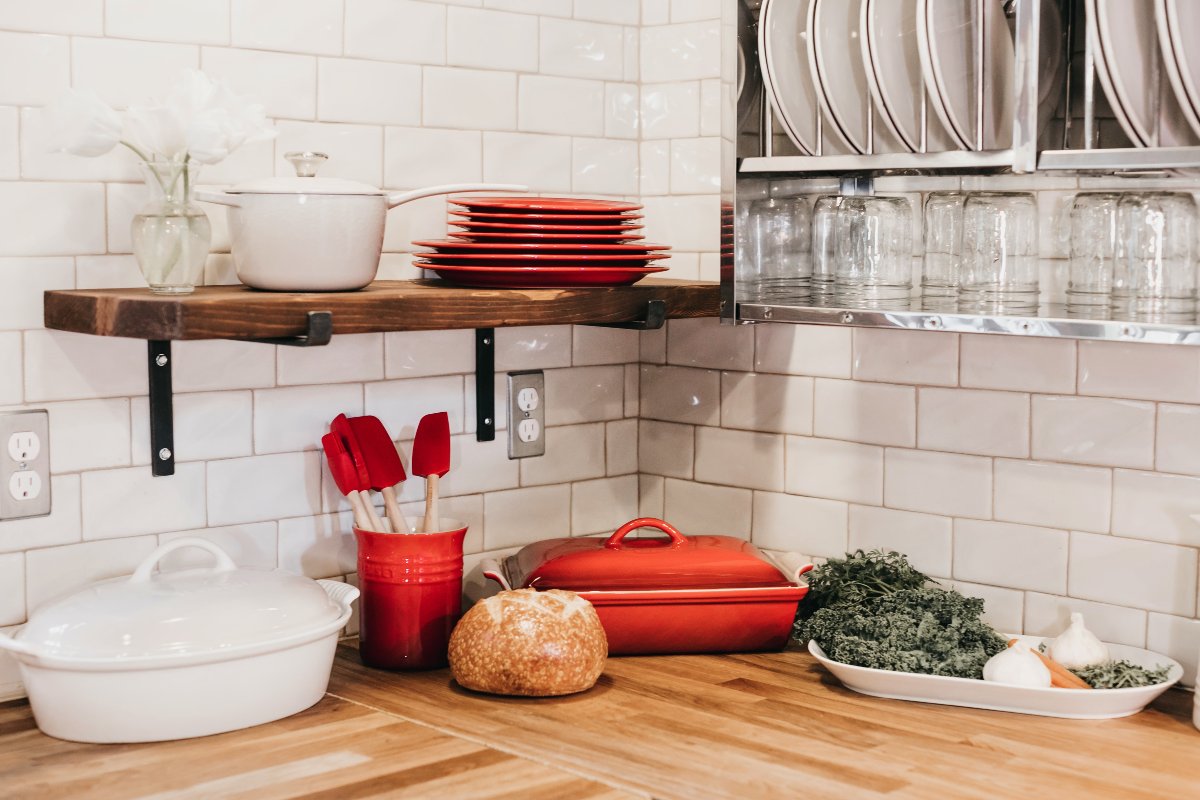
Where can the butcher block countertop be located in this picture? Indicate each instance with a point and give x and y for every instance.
(735, 726)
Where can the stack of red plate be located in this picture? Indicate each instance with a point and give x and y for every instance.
(527, 242)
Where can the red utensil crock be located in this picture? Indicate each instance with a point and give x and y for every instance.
(411, 599)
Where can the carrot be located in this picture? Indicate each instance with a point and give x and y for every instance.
(1060, 676)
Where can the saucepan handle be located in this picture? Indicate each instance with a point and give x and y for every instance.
(396, 198)
(221, 198)
(614, 541)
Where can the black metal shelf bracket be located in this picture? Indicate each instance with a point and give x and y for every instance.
(485, 384)
(318, 332)
(655, 318)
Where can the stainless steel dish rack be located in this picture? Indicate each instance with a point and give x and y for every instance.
(1077, 141)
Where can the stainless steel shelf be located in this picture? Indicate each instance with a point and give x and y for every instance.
(1120, 159)
(949, 161)
(1051, 321)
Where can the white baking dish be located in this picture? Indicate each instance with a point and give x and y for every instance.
(1051, 702)
(179, 654)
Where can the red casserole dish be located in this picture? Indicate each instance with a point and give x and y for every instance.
(681, 594)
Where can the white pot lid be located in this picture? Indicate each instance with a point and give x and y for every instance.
(180, 612)
(305, 181)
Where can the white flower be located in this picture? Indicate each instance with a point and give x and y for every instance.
(81, 123)
(157, 131)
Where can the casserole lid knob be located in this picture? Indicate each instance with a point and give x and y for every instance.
(675, 536)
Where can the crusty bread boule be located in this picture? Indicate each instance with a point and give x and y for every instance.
(527, 642)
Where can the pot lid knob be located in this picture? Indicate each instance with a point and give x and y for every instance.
(306, 163)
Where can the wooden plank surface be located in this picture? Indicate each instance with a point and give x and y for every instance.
(336, 750)
(237, 312)
(777, 725)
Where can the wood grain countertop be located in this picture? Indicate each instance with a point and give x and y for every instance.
(735, 726)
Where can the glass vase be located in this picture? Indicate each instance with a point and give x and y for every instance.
(171, 233)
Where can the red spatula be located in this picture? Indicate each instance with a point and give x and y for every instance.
(342, 468)
(383, 465)
(342, 428)
(431, 460)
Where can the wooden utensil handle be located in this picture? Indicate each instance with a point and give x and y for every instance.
(376, 522)
(398, 520)
(361, 520)
(432, 521)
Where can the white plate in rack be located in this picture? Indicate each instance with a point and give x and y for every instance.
(1179, 39)
(971, 693)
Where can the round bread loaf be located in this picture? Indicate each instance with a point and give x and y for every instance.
(531, 643)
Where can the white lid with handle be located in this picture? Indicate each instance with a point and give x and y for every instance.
(179, 612)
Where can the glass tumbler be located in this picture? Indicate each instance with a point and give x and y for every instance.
(1155, 268)
(943, 249)
(1093, 248)
(779, 262)
(824, 256)
(999, 269)
(873, 252)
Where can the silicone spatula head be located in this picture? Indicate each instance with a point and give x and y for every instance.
(431, 448)
(340, 465)
(378, 451)
(342, 428)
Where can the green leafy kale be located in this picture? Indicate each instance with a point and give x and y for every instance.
(875, 610)
(1121, 675)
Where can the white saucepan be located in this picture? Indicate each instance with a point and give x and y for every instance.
(310, 234)
(182, 653)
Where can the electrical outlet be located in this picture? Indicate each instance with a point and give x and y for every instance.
(24, 464)
(526, 414)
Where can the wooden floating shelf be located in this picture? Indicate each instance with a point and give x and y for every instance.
(237, 312)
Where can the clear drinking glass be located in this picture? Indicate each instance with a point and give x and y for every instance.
(824, 256)
(873, 252)
(999, 268)
(780, 262)
(943, 250)
(1155, 270)
(1093, 250)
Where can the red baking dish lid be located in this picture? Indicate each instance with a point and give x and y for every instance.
(618, 563)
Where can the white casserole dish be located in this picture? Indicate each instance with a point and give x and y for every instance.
(972, 693)
(179, 654)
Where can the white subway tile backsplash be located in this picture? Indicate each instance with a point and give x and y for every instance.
(401, 404)
(318, 547)
(938, 483)
(55, 571)
(681, 394)
(594, 345)
(534, 347)
(416, 157)
(905, 357)
(1177, 637)
(39, 163)
(1149, 575)
(585, 394)
(573, 453)
(254, 545)
(1003, 609)
(1156, 506)
(263, 487)
(1058, 495)
(168, 20)
(705, 343)
(651, 495)
(34, 68)
(688, 223)
(108, 272)
(475, 467)
(837, 470)
(712, 99)
(341, 97)
(670, 110)
(819, 350)
(806, 525)
(396, 30)
(356, 151)
(621, 447)
(419, 354)
(1175, 439)
(570, 106)
(970, 421)
(131, 501)
(61, 526)
(89, 434)
(580, 49)
(345, 358)
(541, 162)
(602, 506)
(295, 418)
(1085, 430)
(10, 151)
(491, 39)
(11, 364)
(696, 165)
(85, 17)
(871, 413)
(12, 588)
(624, 12)
(693, 10)
(51, 219)
(702, 508)
(1016, 363)
(681, 52)
(24, 280)
(1048, 615)
(926, 539)
(665, 448)
(604, 166)
(740, 458)
(765, 402)
(208, 425)
(656, 12)
(467, 98)
(69, 366)
(1117, 369)
(125, 72)
(1017, 556)
(622, 111)
(559, 8)
(314, 26)
(523, 516)
(201, 366)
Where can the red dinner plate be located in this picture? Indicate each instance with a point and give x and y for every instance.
(479, 248)
(564, 205)
(483, 259)
(542, 277)
(548, 219)
(507, 227)
(500, 237)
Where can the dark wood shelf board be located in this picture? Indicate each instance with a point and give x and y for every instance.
(237, 312)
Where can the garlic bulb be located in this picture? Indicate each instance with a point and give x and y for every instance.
(1077, 647)
(1017, 665)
